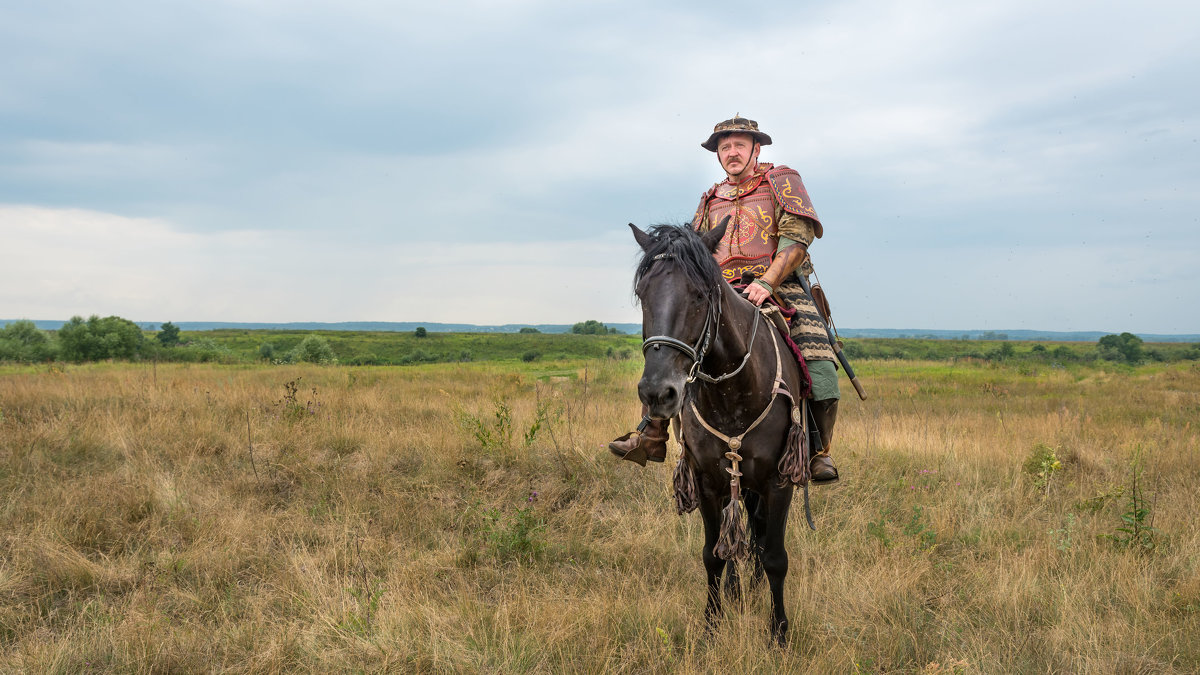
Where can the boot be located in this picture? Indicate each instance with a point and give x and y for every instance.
(821, 467)
(648, 443)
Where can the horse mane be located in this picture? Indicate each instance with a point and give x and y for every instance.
(684, 246)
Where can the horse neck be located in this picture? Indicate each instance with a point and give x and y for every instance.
(732, 340)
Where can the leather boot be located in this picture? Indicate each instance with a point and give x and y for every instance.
(821, 467)
(648, 443)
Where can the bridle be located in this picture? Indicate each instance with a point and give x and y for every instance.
(707, 335)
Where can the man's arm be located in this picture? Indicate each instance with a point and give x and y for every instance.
(795, 234)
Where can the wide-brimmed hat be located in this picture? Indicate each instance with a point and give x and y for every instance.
(737, 125)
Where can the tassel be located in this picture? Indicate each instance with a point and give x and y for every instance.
(793, 465)
(686, 496)
(733, 544)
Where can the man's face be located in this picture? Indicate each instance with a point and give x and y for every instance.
(736, 153)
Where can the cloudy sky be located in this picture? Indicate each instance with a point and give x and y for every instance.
(982, 165)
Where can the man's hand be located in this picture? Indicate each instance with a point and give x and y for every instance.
(756, 293)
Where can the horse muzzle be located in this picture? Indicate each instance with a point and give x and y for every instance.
(663, 396)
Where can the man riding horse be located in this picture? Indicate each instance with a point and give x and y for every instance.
(772, 225)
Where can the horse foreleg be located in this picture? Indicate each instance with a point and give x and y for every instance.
(775, 557)
(757, 514)
(710, 510)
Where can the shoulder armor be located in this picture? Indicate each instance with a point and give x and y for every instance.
(790, 194)
(702, 210)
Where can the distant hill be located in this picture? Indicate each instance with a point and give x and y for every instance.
(372, 326)
(634, 329)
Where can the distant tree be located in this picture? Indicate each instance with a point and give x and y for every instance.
(1063, 353)
(420, 332)
(531, 356)
(529, 329)
(1125, 347)
(314, 349)
(266, 351)
(96, 339)
(24, 341)
(168, 336)
(591, 327)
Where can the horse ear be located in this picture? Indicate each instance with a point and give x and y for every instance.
(642, 238)
(713, 236)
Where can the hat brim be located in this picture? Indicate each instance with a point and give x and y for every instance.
(711, 144)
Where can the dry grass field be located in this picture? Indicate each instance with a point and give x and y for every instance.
(195, 518)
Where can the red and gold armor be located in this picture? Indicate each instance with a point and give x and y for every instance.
(752, 236)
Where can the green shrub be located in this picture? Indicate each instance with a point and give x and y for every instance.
(1041, 465)
(206, 350)
(418, 356)
(592, 327)
(1125, 347)
(314, 349)
(97, 339)
(24, 341)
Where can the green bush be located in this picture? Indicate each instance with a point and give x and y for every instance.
(314, 349)
(97, 339)
(1041, 465)
(531, 356)
(1125, 347)
(418, 356)
(206, 350)
(23, 341)
(592, 327)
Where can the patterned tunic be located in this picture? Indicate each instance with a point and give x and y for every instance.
(807, 329)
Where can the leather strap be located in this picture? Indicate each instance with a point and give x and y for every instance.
(779, 387)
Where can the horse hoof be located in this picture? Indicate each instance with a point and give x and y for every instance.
(779, 634)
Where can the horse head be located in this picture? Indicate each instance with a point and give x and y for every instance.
(678, 285)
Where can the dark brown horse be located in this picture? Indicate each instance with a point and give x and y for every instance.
(715, 362)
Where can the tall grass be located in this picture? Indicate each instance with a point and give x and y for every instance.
(195, 517)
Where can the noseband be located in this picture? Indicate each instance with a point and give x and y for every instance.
(707, 334)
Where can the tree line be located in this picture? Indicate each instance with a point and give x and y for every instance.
(112, 337)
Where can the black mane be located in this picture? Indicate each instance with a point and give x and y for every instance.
(687, 250)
